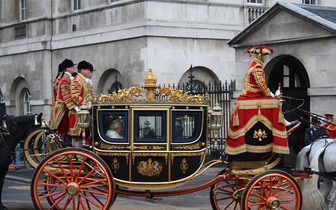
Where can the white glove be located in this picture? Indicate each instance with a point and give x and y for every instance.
(76, 108)
(271, 94)
(89, 104)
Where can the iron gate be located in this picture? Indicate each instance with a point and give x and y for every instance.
(220, 93)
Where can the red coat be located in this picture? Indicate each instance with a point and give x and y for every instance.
(63, 103)
(255, 85)
(55, 88)
(79, 93)
(331, 130)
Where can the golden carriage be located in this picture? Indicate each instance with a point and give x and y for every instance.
(132, 163)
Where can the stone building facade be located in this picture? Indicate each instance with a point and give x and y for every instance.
(122, 39)
(304, 60)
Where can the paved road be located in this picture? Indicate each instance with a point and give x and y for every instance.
(16, 195)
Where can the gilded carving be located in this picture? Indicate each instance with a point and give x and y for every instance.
(188, 147)
(151, 90)
(113, 154)
(259, 135)
(184, 165)
(146, 154)
(149, 167)
(115, 165)
(187, 154)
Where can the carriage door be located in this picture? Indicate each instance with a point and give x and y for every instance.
(149, 144)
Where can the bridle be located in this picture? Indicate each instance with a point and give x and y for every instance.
(5, 131)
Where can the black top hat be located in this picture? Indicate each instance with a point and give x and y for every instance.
(147, 123)
(60, 67)
(67, 63)
(315, 121)
(91, 67)
(83, 65)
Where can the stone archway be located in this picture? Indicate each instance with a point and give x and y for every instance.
(290, 72)
(18, 88)
(110, 81)
(200, 75)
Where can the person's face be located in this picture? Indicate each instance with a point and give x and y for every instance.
(90, 75)
(316, 126)
(330, 120)
(71, 69)
(86, 73)
(119, 130)
(263, 58)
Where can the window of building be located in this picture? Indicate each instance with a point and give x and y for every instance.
(255, 1)
(23, 9)
(309, 1)
(290, 78)
(76, 5)
(114, 1)
(26, 102)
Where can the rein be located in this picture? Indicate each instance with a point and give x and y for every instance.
(290, 105)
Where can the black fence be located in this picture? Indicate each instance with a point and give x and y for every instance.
(220, 93)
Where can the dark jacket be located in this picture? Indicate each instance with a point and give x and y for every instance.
(148, 132)
(312, 134)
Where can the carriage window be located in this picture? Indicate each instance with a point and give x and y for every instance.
(112, 126)
(150, 126)
(186, 126)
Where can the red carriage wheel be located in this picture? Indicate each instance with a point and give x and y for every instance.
(72, 178)
(226, 194)
(273, 189)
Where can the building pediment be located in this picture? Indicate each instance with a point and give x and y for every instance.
(288, 22)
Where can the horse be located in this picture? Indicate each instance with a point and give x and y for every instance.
(319, 157)
(12, 130)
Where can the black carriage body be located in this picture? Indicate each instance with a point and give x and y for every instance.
(174, 151)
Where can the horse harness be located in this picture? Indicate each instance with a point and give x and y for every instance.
(328, 175)
(4, 131)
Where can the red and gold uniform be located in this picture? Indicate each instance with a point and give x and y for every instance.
(257, 124)
(63, 103)
(329, 126)
(55, 89)
(80, 95)
(255, 85)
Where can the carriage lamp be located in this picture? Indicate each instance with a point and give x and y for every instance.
(83, 119)
(216, 117)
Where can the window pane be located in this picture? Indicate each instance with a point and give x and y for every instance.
(285, 71)
(146, 126)
(297, 81)
(285, 82)
(26, 101)
(112, 125)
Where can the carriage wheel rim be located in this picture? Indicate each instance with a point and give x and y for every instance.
(66, 189)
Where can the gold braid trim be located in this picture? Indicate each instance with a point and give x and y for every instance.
(254, 104)
(236, 150)
(253, 172)
(253, 121)
(236, 117)
(280, 149)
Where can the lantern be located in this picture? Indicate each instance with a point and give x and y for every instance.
(216, 117)
(83, 119)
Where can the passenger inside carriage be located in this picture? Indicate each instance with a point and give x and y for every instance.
(115, 130)
(257, 124)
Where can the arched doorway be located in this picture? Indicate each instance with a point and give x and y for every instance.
(20, 97)
(110, 81)
(291, 73)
